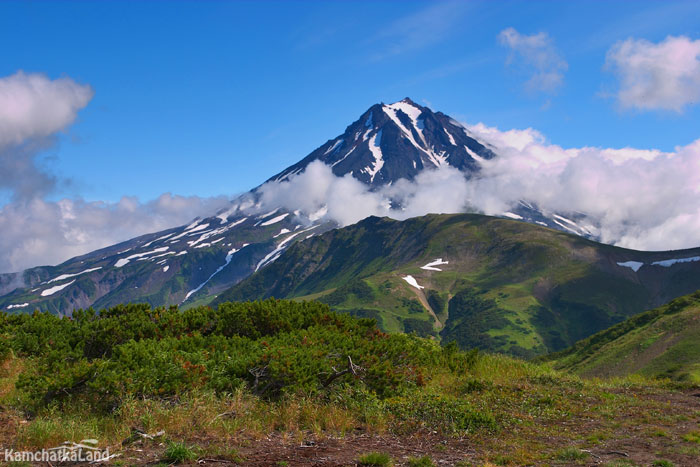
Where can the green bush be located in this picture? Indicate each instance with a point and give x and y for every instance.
(177, 453)
(421, 327)
(662, 463)
(424, 461)
(273, 347)
(375, 459)
(570, 454)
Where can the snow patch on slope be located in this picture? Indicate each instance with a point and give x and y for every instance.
(633, 265)
(512, 215)
(431, 266)
(670, 262)
(274, 254)
(474, 155)
(413, 113)
(275, 220)
(452, 138)
(334, 147)
(66, 276)
(374, 147)
(57, 288)
(412, 282)
(124, 261)
(229, 256)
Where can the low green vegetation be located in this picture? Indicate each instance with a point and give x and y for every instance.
(424, 461)
(661, 343)
(274, 348)
(571, 454)
(375, 459)
(177, 453)
(181, 386)
(508, 287)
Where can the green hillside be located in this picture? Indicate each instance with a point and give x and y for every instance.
(508, 286)
(664, 342)
(276, 382)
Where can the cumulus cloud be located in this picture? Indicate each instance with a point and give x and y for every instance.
(638, 198)
(537, 57)
(33, 108)
(36, 231)
(39, 232)
(663, 76)
(348, 200)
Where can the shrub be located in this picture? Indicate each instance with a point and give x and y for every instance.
(692, 437)
(177, 453)
(273, 347)
(375, 459)
(570, 454)
(424, 461)
(662, 463)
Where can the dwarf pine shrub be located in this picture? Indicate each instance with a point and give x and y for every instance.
(272, 347)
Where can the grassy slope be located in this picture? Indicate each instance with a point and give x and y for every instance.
(664, 342)
(540, 416)
(530, 290)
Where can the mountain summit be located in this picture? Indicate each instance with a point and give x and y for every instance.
(394, 141)
(191, 264)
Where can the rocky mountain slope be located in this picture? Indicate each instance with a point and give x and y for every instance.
(395, 141)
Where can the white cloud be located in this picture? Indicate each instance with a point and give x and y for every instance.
(348, 200)
(35, 231)
(639, 198)
(537, 57)
(663, 76)
(34, 106)
(642, 198)
(38, 232)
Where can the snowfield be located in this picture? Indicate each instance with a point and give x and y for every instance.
(124, 261)
(412, 282)
(57, 288)
(670, 262)
(66, 276)
(431, 266)
(633, 265)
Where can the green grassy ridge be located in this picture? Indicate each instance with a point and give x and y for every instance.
(538, 290)
(664, 342)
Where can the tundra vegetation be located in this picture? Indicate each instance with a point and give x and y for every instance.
(272, 382)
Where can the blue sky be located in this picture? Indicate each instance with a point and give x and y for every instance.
(212, 98)
(122, 118)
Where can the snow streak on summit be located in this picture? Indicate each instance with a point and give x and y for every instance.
(395, 141)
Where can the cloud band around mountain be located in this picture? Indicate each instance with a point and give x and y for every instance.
(642, 199)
